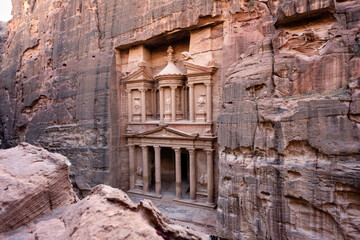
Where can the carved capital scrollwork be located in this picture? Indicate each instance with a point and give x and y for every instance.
(209, 152)
(177, 150)
(190, 85)
(191, 150)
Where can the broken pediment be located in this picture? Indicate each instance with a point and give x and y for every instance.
(195, 69)
(140, 75)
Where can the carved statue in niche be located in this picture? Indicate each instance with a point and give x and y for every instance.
(178, 102)
(139, 171)
(137, 105)
(167, 105)
(148, 107)
(201, 102)
(203, 179)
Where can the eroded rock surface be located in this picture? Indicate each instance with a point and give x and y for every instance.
(33, 181)
(291, 168)
(107, 213)
(289, 124)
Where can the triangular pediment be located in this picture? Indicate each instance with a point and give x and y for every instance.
(193, 68)
(141, 74)
(166, 132)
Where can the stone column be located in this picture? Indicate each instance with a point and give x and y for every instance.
(153, 103)
(143, 105)
(191, 102)
(130, 110)
(161, 104)
(208, 103)
(210, 175)
(178, 173)
(182, 95)
(186, 103)
(157, 170)
(173, 104)
(132, 166)
(145, 168)
(192, 174)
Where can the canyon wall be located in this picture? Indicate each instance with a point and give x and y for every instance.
(288, 129)
(60, 85)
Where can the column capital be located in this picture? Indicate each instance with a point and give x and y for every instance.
(173, 87)
(209, 151)
(143, 146)
(190, 85)
(156, 146)
(209, 84)
(191, 150)
(176, 149)
(143, 89)
(130, 145)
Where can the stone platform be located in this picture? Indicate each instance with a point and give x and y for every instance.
(198, 218)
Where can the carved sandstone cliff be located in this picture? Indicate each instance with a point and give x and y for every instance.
(289, 87)
(290, 170)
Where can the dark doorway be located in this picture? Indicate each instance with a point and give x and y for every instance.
(185, 172)
(167, 170)
(151, 157)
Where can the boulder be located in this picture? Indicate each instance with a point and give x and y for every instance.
(107, 213)
(33, 181)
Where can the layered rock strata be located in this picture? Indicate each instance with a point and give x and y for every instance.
(33, 181)
(289, 83)
(290, 170)
(107, 213)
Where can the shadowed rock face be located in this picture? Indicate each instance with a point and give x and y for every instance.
(289, 124)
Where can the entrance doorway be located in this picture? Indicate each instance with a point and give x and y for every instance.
(185, 176)
(168, 183)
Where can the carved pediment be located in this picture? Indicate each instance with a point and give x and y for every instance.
(141, 74)
(193, 68)
(166, 132)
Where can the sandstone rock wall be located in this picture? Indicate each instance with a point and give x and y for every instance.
(290, 169)
(289, 124)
